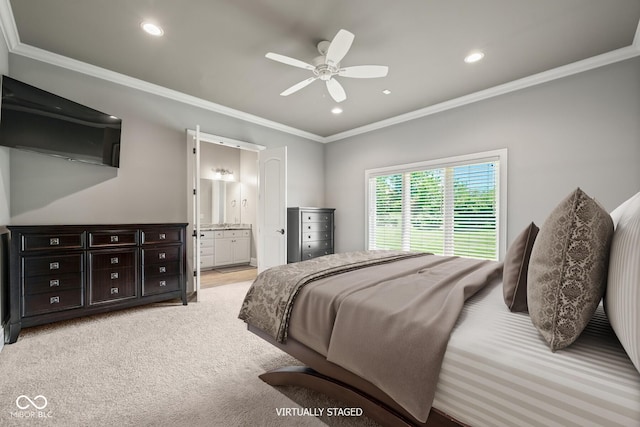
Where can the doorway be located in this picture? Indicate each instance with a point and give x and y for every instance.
(227, 180)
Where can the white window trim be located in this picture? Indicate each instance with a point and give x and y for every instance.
(501, 154)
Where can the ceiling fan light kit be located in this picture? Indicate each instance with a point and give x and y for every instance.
(327, 66)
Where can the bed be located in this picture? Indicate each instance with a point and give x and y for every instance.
(495, 367)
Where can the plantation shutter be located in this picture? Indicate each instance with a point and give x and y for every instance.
(448, 210)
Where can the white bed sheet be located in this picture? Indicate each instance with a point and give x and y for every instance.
(498, 371)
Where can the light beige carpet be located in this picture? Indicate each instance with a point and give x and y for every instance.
(160, 365)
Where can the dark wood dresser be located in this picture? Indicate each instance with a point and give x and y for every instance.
(311, 233)
(64, 271)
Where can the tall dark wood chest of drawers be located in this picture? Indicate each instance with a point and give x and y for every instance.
(65, 271)
(311, 233)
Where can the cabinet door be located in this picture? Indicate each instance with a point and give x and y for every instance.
(223, 251)
(241, 251)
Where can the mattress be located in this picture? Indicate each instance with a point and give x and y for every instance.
(498, 371)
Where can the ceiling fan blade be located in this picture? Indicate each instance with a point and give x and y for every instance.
(296, 87)
(289, 61)
(364, 71)
(336, 90)
(339, 47)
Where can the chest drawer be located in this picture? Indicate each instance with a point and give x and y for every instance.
(52, 283)
(160, 255)
(53, 264)
(99, 239)
(316, 226)
(316, 235)
(35, 242)
(102, 260)
(314, 253)
(168, 235)
(52, 301)
(315, 217)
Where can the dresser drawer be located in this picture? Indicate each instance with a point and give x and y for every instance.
(52, 283)
(159, 285)
(160, 255)
(317, 245)
(98, 239)
(52, 301)
(161, 269)
(308, 254)
(315, 217)
(112, 284)
(35, 242)
(168, 235)
(316, 226)
(316, 235)
(112, 259)
(46, 265)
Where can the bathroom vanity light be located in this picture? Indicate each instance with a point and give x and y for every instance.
(223, 174)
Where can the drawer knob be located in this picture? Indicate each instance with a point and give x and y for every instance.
(162, 269)
(54, 265)
(115, 260)
(114, 275)
(54, 300)
(162, 255)
(163, 283)
(54, 241)
(54, 282)
(162, 236)
(114, 239)
(114, 291)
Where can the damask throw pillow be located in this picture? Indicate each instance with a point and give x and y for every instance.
(516, 266)
(568, 269)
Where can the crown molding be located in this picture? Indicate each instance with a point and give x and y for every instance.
(8, 23)
(12, 38)
(122, 79)
(515, 85)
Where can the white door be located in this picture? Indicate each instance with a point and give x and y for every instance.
(272, 208)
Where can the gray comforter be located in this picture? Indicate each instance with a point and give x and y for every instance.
(388, 323)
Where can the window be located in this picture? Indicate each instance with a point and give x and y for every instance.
(449, 207)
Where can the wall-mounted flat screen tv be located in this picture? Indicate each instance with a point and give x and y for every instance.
(35, 120)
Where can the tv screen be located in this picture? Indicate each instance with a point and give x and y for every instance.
(35, 120)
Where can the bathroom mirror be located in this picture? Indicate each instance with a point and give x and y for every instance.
(221, 202)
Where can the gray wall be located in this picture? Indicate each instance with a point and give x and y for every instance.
(150, 185)
(582, 130)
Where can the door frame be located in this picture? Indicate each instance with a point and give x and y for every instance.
(193, 180)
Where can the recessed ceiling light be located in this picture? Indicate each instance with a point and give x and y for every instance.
(152, 29)
(386, 91)
(474, 57)
(336, 110)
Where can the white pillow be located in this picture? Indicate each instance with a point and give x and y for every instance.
(622, 298)
(617, 212)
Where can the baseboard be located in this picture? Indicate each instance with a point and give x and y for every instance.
(253, 262)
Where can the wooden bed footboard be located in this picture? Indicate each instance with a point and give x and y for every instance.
(332, 380)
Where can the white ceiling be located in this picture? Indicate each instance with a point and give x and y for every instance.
(214, 50)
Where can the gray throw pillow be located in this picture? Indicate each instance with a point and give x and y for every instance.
(516, 265)
(568, 269)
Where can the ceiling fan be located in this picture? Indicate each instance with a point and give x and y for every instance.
(327, 66)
